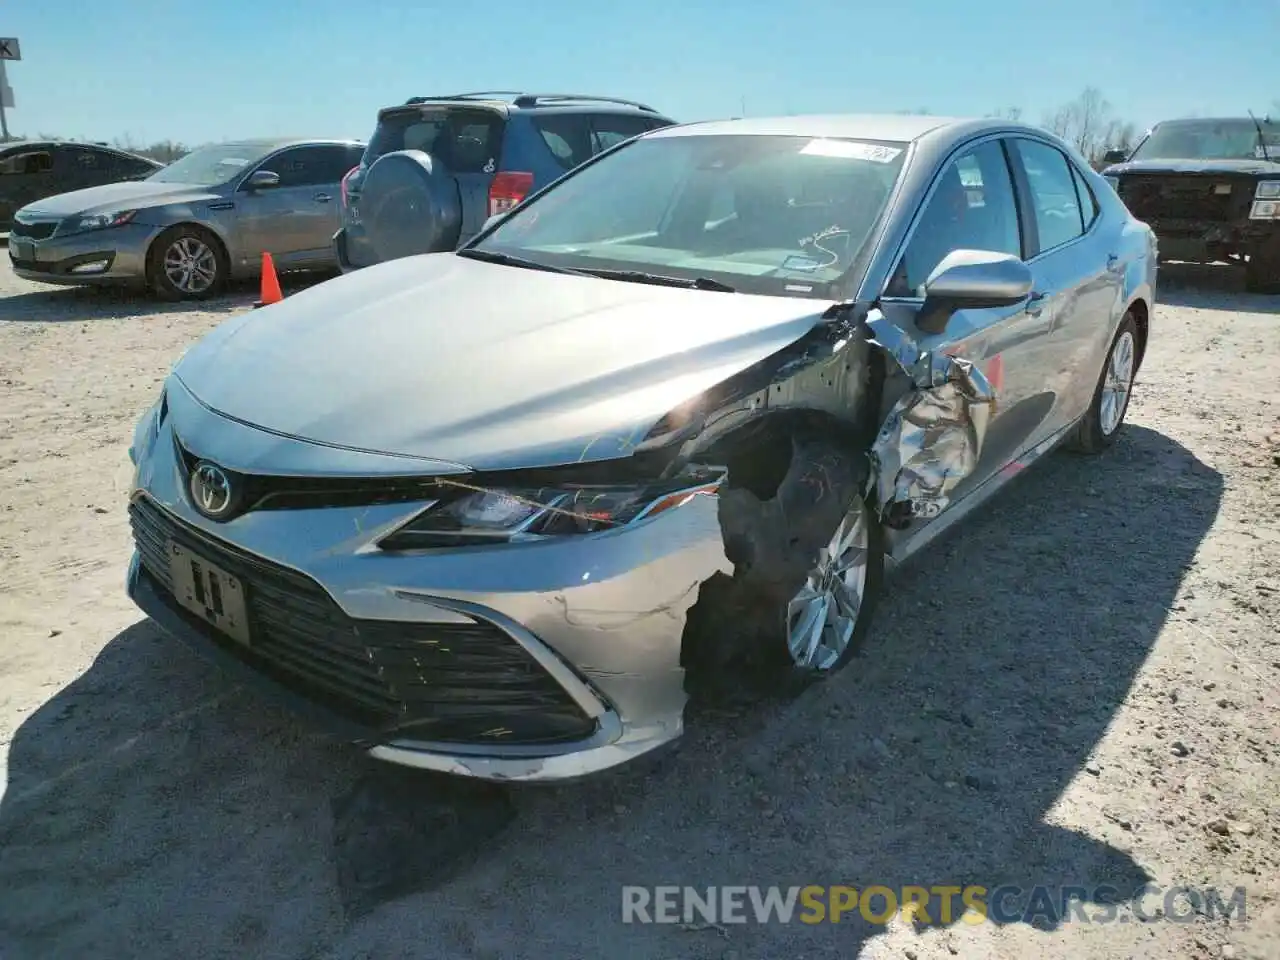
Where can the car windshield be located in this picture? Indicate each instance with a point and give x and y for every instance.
(778, 215)
(1210, 140)
(210, 165)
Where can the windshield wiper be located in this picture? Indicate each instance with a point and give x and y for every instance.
(636, 276)
(506, 259)
(1262, 138)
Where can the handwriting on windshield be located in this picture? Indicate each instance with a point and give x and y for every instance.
(817, 241)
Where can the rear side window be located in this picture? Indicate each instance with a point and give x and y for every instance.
(309, 166)
(92, 160)
(464, 140)
(567, 136)
(1053, 193)
(25, 162)
(1088, 203)
(611, 129)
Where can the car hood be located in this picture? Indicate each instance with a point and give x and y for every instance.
(487, 366)
(110, 197)
(1251, 167)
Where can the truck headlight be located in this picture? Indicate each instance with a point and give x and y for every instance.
(1265, 210)
(1114, 181)
(1268, 190)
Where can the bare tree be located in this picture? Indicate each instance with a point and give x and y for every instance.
(1007, 113)
(1089, 124)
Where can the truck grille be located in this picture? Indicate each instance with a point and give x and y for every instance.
(40, 230)
(455, 683)
(1188, 197)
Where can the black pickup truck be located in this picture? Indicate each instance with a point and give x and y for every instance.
(1210, 189)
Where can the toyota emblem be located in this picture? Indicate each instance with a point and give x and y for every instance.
(211, 491)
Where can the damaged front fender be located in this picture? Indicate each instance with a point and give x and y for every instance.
(932, 437)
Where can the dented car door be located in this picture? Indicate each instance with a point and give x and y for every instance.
(971, 207)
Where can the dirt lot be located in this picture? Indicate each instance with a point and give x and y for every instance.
(1079, 689)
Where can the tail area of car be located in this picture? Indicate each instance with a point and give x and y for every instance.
(437, 168)
(433, 192)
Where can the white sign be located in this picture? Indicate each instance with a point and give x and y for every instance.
(9, 49)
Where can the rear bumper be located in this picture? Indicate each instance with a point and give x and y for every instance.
(352, 250)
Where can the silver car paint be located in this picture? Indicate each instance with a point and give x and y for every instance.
(613, 605)
(442, 357)
(292, 223)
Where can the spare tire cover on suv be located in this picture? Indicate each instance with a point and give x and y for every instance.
(409, 204)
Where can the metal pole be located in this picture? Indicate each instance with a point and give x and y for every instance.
(4, 123)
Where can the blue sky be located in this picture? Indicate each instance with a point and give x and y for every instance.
(155, 69)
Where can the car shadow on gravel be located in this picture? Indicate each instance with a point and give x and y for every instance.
(81, 304)
(1210, 286)
(151, 807)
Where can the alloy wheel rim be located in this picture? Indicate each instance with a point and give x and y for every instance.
(1117, 382)
(190, 265)
(822, 615)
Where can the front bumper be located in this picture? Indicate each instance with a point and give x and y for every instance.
(116, 255)
(602, 615)
(1189, 239)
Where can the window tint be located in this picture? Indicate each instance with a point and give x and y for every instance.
(567, 136)
(610, 129)
(26, 161)
(309, 166)
(1088, 203)
(464, 140)
(1054, 202)
(972, 208)
(131, 167)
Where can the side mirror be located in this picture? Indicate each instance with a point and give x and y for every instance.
(1115, 156)
(972, 279)
(262, 180)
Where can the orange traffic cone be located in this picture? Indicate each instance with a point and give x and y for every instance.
(270, 283)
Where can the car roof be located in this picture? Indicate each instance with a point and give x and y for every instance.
(890, 126)
(512, 101)
(278, 143)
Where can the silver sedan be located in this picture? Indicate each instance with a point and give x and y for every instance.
(191, 226)
(654, 434)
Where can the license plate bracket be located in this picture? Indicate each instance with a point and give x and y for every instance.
(208, 591)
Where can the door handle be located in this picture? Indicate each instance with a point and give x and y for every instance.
(322, 198)
(1113, 264)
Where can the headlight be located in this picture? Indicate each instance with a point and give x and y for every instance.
(98, 221)
(1268, 190)
(1265, 210)
(148, 427)
(476, 516)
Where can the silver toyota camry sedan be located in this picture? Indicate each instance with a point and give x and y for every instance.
(654, 434)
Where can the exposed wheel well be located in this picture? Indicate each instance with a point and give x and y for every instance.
(1141, 314)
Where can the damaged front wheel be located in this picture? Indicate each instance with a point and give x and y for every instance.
(823, 617)
(808, 554)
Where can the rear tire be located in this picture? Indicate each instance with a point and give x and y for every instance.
(187, 262)
(1105, 419)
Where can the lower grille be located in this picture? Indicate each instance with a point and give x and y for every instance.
(1183, 198)
(455, 683)
(41, 230)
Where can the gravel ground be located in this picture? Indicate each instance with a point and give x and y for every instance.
(1081, 687)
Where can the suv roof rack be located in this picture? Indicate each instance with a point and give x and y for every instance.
(533, 99)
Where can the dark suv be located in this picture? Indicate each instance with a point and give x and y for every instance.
(1210, 189)
(437, 168)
